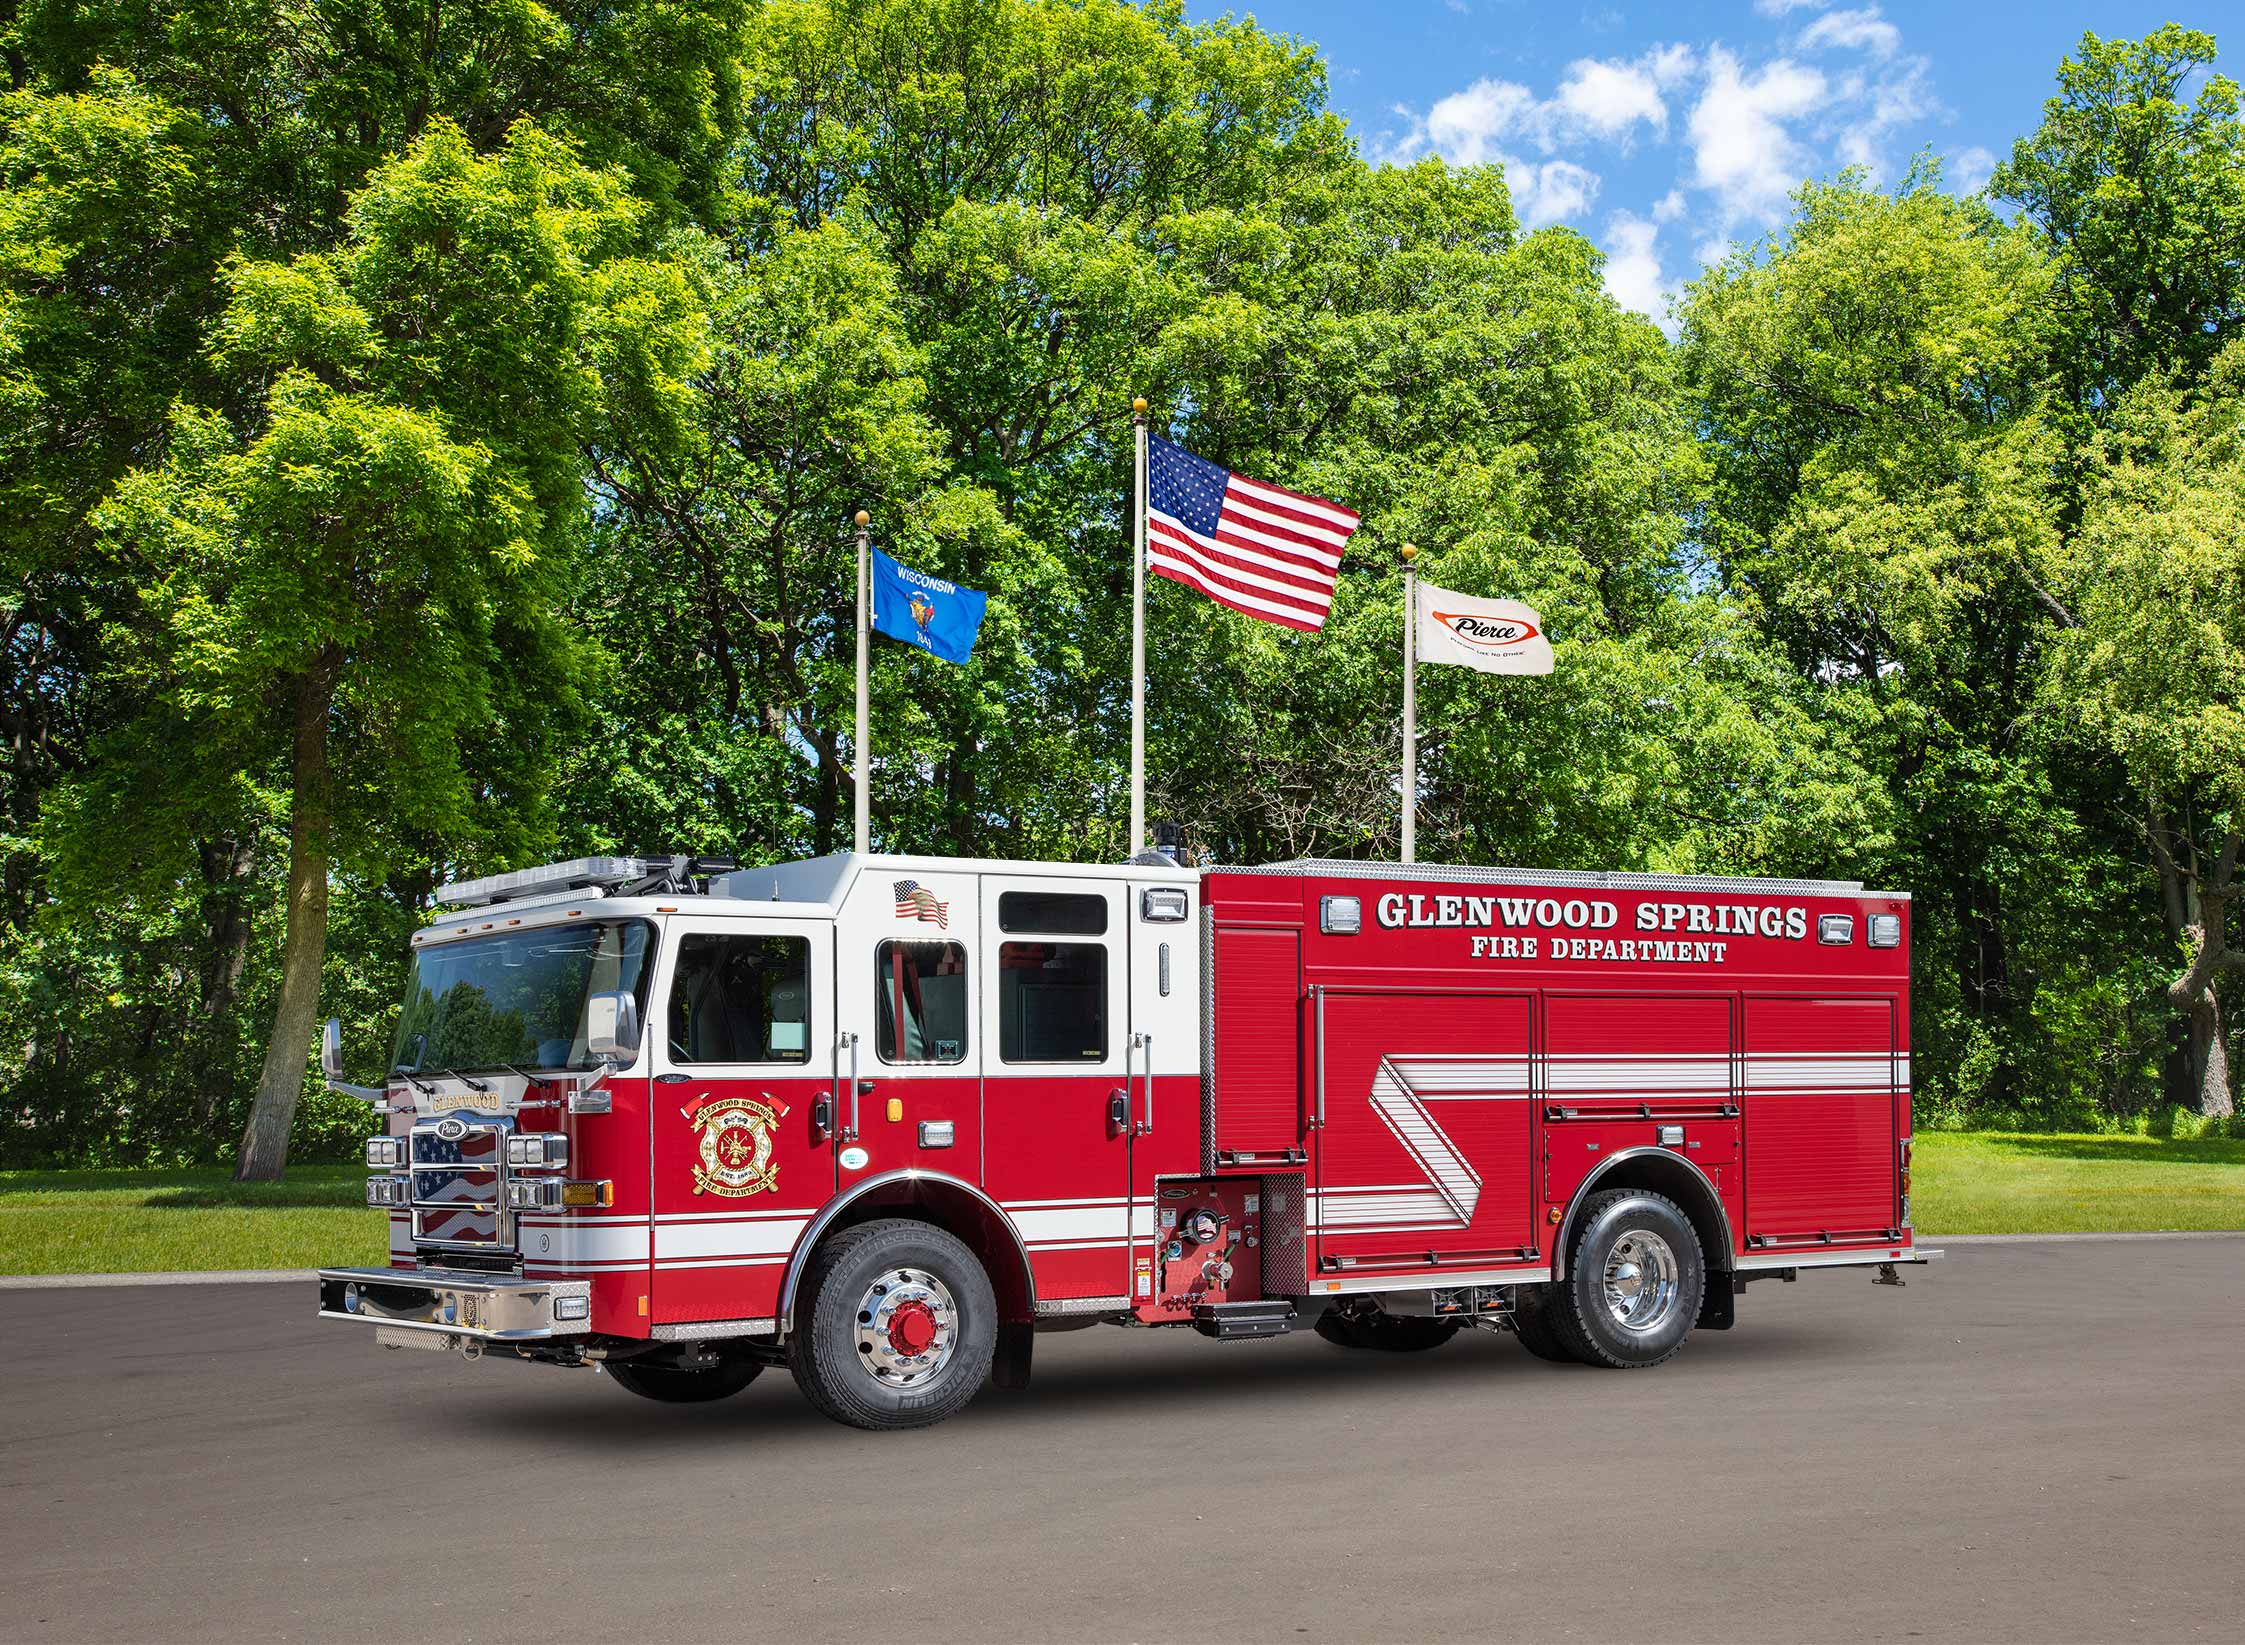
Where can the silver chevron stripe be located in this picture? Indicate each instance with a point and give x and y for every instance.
(1396, 1101)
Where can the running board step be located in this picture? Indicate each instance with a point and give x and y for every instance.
(1235, 1321)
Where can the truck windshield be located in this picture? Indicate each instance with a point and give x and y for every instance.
(517, 998)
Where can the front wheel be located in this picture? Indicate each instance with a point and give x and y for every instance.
(898, 1329)
(1635, 1277)
(672, 1385)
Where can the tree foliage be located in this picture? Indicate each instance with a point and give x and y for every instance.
(428, 437)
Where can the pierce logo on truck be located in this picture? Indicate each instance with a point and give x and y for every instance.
(736, 1146)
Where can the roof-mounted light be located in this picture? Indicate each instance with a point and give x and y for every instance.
(580, 872)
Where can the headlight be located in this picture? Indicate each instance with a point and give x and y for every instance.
(387, 1191)
(384, 1152)
(537, 1194)
(565, 1308)
(538, 1151)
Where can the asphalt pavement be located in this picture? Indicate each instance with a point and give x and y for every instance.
(2031, 1442)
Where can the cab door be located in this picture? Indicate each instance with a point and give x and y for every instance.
(744, 1073)
(1058, 1057)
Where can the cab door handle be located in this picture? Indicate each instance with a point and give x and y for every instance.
(1118, 1110)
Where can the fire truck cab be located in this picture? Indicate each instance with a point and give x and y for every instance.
(883, 1119)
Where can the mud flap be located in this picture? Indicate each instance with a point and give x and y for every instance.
(1010, 1366)
(1718, 1308)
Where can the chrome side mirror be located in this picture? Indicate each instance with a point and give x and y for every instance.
(612, 1026)
(331, 1066)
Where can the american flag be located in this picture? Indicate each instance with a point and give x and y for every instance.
(1257, 548)
(915, 901)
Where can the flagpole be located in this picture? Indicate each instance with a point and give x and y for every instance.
(1138, 635)
(1410, 706)
(864, 775)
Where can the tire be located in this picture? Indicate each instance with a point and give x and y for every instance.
(1386, 1333)
(1532, 1325)
(669, 1385)
(898, 1327)
(1640, 1314)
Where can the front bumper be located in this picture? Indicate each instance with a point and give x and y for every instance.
(485, 1307)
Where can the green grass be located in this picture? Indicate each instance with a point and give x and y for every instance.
(1982, 1182)
(109, 1222)
(100, 1222)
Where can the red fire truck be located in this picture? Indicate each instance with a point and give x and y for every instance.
(883, 1120)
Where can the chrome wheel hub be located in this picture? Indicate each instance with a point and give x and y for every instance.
(907, 1326)
(1641, 1281)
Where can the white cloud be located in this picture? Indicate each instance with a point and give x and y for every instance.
(1466, 126)
(1863, 30)
(1903, 94)
(1781, 8)
(1633, 267)
(1669, 206)
(1970, 170)
(1610, 98)
(1742, 147)
(1551, 192)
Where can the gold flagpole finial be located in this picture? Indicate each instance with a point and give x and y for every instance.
(1410, 552)
(1138, 406)
(863, 519)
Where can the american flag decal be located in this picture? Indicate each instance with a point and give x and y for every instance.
(1261, 549)
(915, 901)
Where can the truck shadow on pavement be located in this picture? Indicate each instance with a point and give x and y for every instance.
(1218, 1380)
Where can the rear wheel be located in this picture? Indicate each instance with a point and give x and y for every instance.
(673, 1385)
(1635, 1278)
(898, 1328)
(1385, 1332)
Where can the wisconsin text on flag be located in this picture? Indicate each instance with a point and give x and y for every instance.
(915, 901)
(1257, 548)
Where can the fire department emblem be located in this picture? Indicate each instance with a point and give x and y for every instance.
(736, 1146)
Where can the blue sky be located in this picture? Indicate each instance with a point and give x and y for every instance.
(1666, 133)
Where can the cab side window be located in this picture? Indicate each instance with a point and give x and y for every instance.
(1052, 1002)
(921, 988)
(740, 998)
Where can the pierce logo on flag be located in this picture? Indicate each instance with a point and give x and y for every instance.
(915, 901)
(1260, 549)
(1485, 631)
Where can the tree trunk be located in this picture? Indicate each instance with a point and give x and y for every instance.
(2211, 1055)
(304, 946)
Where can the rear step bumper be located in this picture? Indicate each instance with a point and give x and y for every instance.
(1235, 1321)
(485, 1307)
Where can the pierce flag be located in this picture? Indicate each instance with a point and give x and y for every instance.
(938, 617)
(1495, 636)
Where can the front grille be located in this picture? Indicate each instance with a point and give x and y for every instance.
(460, 1184)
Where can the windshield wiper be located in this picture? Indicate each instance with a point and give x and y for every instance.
(422, 1086)
(471, 1081)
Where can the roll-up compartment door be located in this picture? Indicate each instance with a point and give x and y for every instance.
(1821, 1120)
(1254, 1095)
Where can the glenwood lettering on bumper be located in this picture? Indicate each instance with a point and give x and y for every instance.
(882, 1119)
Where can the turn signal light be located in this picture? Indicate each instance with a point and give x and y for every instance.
(593, 1196)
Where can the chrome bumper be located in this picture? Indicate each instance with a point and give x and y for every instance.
(484, 1307)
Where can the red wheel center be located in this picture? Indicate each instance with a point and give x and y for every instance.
(912, 1327)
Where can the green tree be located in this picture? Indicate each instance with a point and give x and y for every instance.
(2152, 666)
(1872, 397)
(360, 582)
(2141, 198)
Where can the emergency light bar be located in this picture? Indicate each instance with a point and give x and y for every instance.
(587, 872)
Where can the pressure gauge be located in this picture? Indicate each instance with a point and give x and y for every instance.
(1202, 1227)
